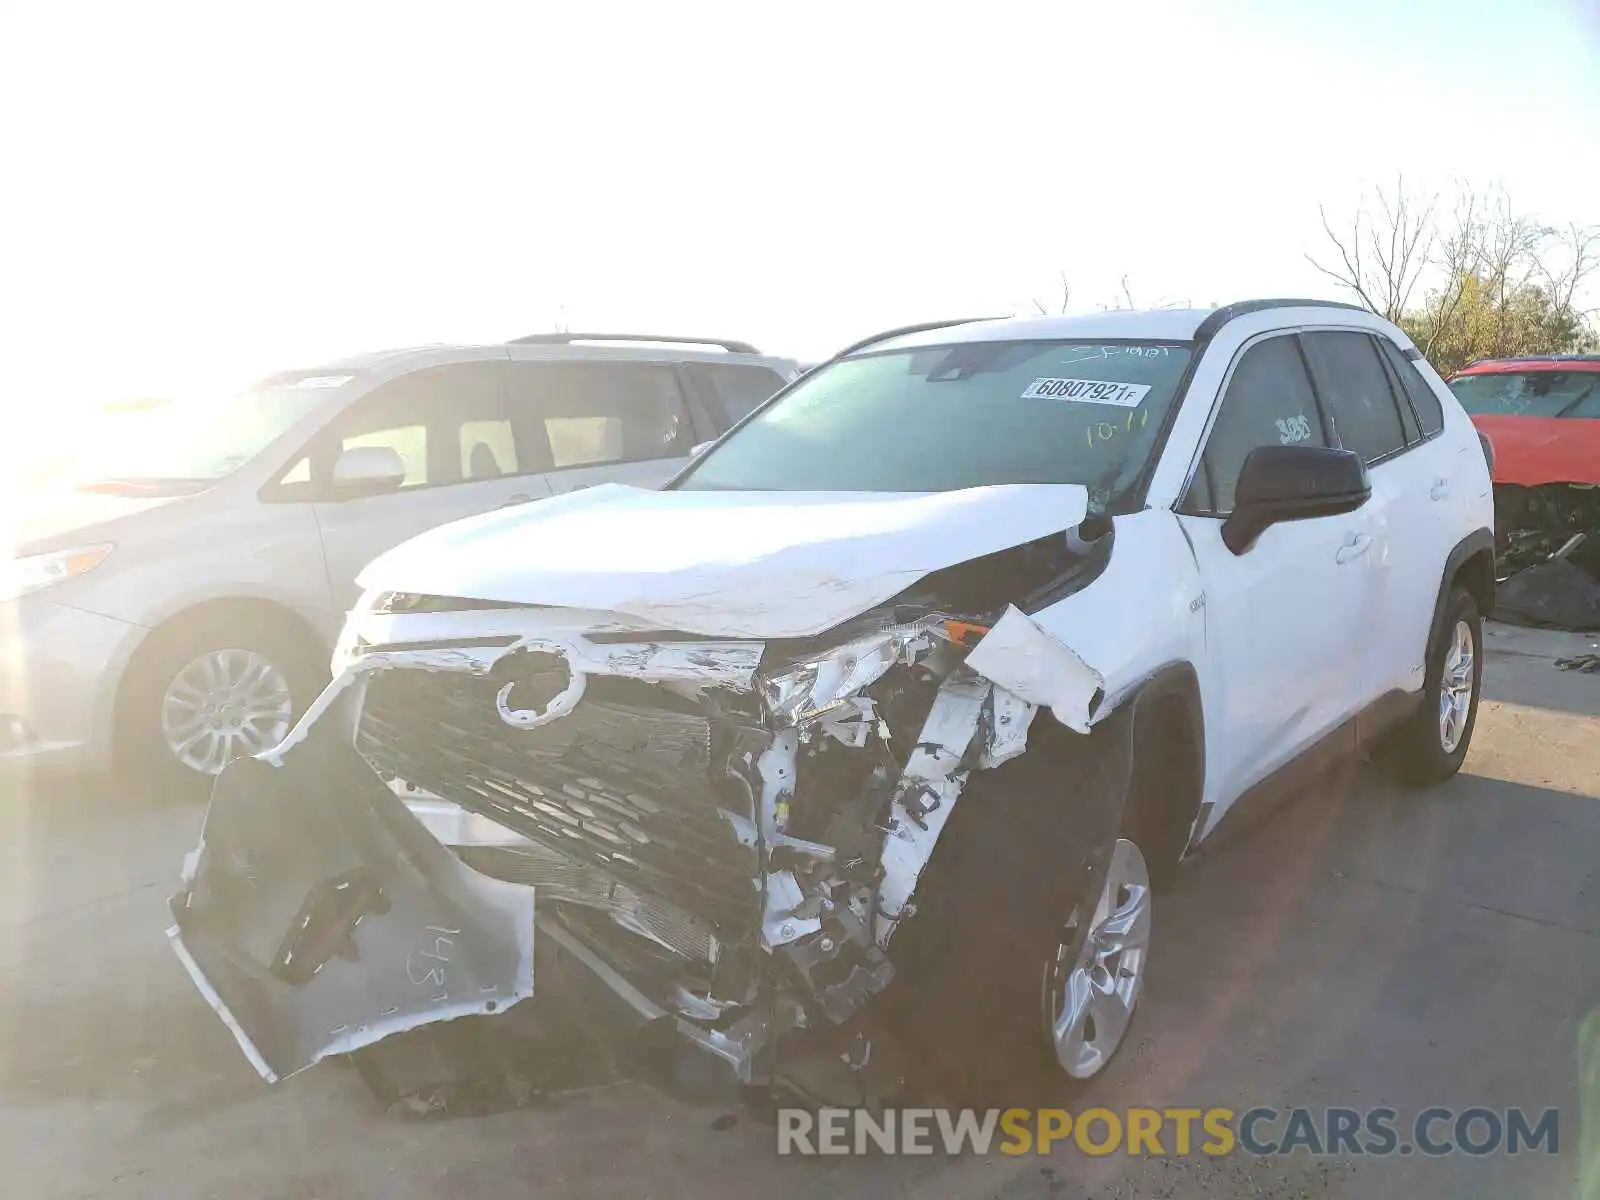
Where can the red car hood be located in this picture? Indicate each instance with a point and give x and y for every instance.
(1535, 450)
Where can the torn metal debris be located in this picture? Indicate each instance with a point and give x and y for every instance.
(1549, 555)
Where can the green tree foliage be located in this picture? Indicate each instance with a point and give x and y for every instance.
(1470, 318)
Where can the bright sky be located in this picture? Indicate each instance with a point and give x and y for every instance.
(193, 198)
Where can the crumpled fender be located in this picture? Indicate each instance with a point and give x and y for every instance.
(1035, 665)
(319, 916)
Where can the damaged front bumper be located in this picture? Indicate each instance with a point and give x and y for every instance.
(727, 849)
(318, 917)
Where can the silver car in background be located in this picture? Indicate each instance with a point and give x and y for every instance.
(174, 607)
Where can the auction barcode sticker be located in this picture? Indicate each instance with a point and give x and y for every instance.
(1088, 391)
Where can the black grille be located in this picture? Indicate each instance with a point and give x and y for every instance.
(621, 783)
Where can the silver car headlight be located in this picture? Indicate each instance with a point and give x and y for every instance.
(29, 573)
(814, 686)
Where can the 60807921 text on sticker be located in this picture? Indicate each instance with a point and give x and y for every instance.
(1087, 391)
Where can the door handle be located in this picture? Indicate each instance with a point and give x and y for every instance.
(1439, 490)
(1355, 545)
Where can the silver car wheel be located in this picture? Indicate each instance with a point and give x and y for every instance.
(1455, 688)
(1089, 1001)
(224, 705)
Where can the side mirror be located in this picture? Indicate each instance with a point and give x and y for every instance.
(1293, 483)
(368, 471)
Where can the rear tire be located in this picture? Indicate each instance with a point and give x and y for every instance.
(234, 681)
(1432, 744)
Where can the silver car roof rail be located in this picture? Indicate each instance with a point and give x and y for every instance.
(564, 339)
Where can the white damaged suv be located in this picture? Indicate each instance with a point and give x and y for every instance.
(917, 684)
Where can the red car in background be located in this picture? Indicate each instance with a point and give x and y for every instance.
(1542, 414)
(1542, 418)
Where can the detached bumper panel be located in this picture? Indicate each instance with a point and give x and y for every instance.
(320, 916)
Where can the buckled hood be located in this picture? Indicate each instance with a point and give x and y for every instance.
(727, 564)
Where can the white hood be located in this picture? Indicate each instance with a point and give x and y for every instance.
(726, 564)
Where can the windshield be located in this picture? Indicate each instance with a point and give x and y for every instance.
(1530, 393)
(202, 441)
(950, 417)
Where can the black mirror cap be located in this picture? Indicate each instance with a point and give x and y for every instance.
(1488, 450)
(1293, 483)
(1277, 476)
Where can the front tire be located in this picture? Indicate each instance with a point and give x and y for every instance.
(1000, 953)
(201, 694)
(1431, 746)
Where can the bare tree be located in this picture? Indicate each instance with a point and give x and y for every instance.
(1458, 256)
(1119, 303)
(1066, 298)
(1386, 252)
(1579, 246)
(1486, 280)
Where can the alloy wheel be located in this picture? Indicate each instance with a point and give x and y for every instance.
(1455, 688)
(224, 705)
(1094, 982)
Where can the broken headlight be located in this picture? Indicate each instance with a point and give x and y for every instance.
(808, 689)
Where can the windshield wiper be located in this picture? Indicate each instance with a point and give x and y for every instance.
(1568, 409)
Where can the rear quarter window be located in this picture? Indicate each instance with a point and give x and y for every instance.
(1430, 413)
(735, 390)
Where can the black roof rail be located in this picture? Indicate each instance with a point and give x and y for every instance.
(906, 331)
(564, 339)
(1207, 329)
(1220, 317)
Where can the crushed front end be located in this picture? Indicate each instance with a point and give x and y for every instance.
(725, 834)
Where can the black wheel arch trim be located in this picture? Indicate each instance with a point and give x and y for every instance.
(1479, 541)
(1175, 682)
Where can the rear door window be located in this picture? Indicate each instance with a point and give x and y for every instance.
(735, 389)
(1355, 390)
(589, 414)
(488, 449)
(1268, 402)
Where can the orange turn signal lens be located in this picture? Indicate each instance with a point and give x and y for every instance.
(964, 633)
